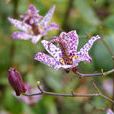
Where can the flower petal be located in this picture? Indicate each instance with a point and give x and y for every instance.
(47, 18)
(21, 35)
(83, 53)
(51, 26)
(35, 39)
(20, 25)
(31, 16)
(48, 60)
(89, 44)
(83, 57)
(32, 9)
(25, 36)
(72, 41)
(52, 49)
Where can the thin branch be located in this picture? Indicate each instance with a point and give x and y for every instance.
(95, 74)
(72, 94)
(101, 94)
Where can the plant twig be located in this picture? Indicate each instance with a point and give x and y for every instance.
(95, 74)
(72, 94)
(101, 94)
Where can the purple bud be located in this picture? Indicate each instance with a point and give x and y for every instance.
(16, 81)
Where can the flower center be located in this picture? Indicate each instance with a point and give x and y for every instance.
(68, 60)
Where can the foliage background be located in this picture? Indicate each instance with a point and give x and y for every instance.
(88, 17)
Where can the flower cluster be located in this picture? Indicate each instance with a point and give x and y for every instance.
(32, 25)
(63, 55)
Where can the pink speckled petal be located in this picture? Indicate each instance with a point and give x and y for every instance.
(83, 53)
(71, 39)
(20, 25)
(21, 35)
(32, 15)
(52, 49)
(47, 18)
(25, 36)
(89, 44)
(51, 26)
(48, 60)
(83, 57)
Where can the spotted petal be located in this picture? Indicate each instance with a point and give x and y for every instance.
(20, 25)
(83, 53)
(83, 57)
(72, 41)
(51, 26)
(32, 9)
(31, 15)
(52, 49)
(21, 35)
(47, 18)
(48, 60)
(89, 44)
(25, 36)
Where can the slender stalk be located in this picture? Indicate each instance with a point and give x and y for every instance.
(72, 94)
(63, 94)
(95, 74)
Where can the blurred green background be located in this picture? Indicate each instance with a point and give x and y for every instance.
(88, 17)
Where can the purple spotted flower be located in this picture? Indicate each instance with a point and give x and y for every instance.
(15, 80)
(65, 55)
(33, 26)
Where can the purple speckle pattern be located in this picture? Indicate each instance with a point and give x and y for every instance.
(72, 41)
(83, 53)
(32, 15)
(47, 18)
(21, 35)
(65, 56)
(20, 25)
(53, 50)
(46, 59)
(89, 44)
(32, 25)
(50, 27)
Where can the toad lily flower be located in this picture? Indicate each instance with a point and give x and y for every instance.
(65, 56)
(33, 26)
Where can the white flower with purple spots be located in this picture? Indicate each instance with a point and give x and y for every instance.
(65, 55)
(32, 26)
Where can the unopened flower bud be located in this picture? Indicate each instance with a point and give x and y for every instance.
(16, 81)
